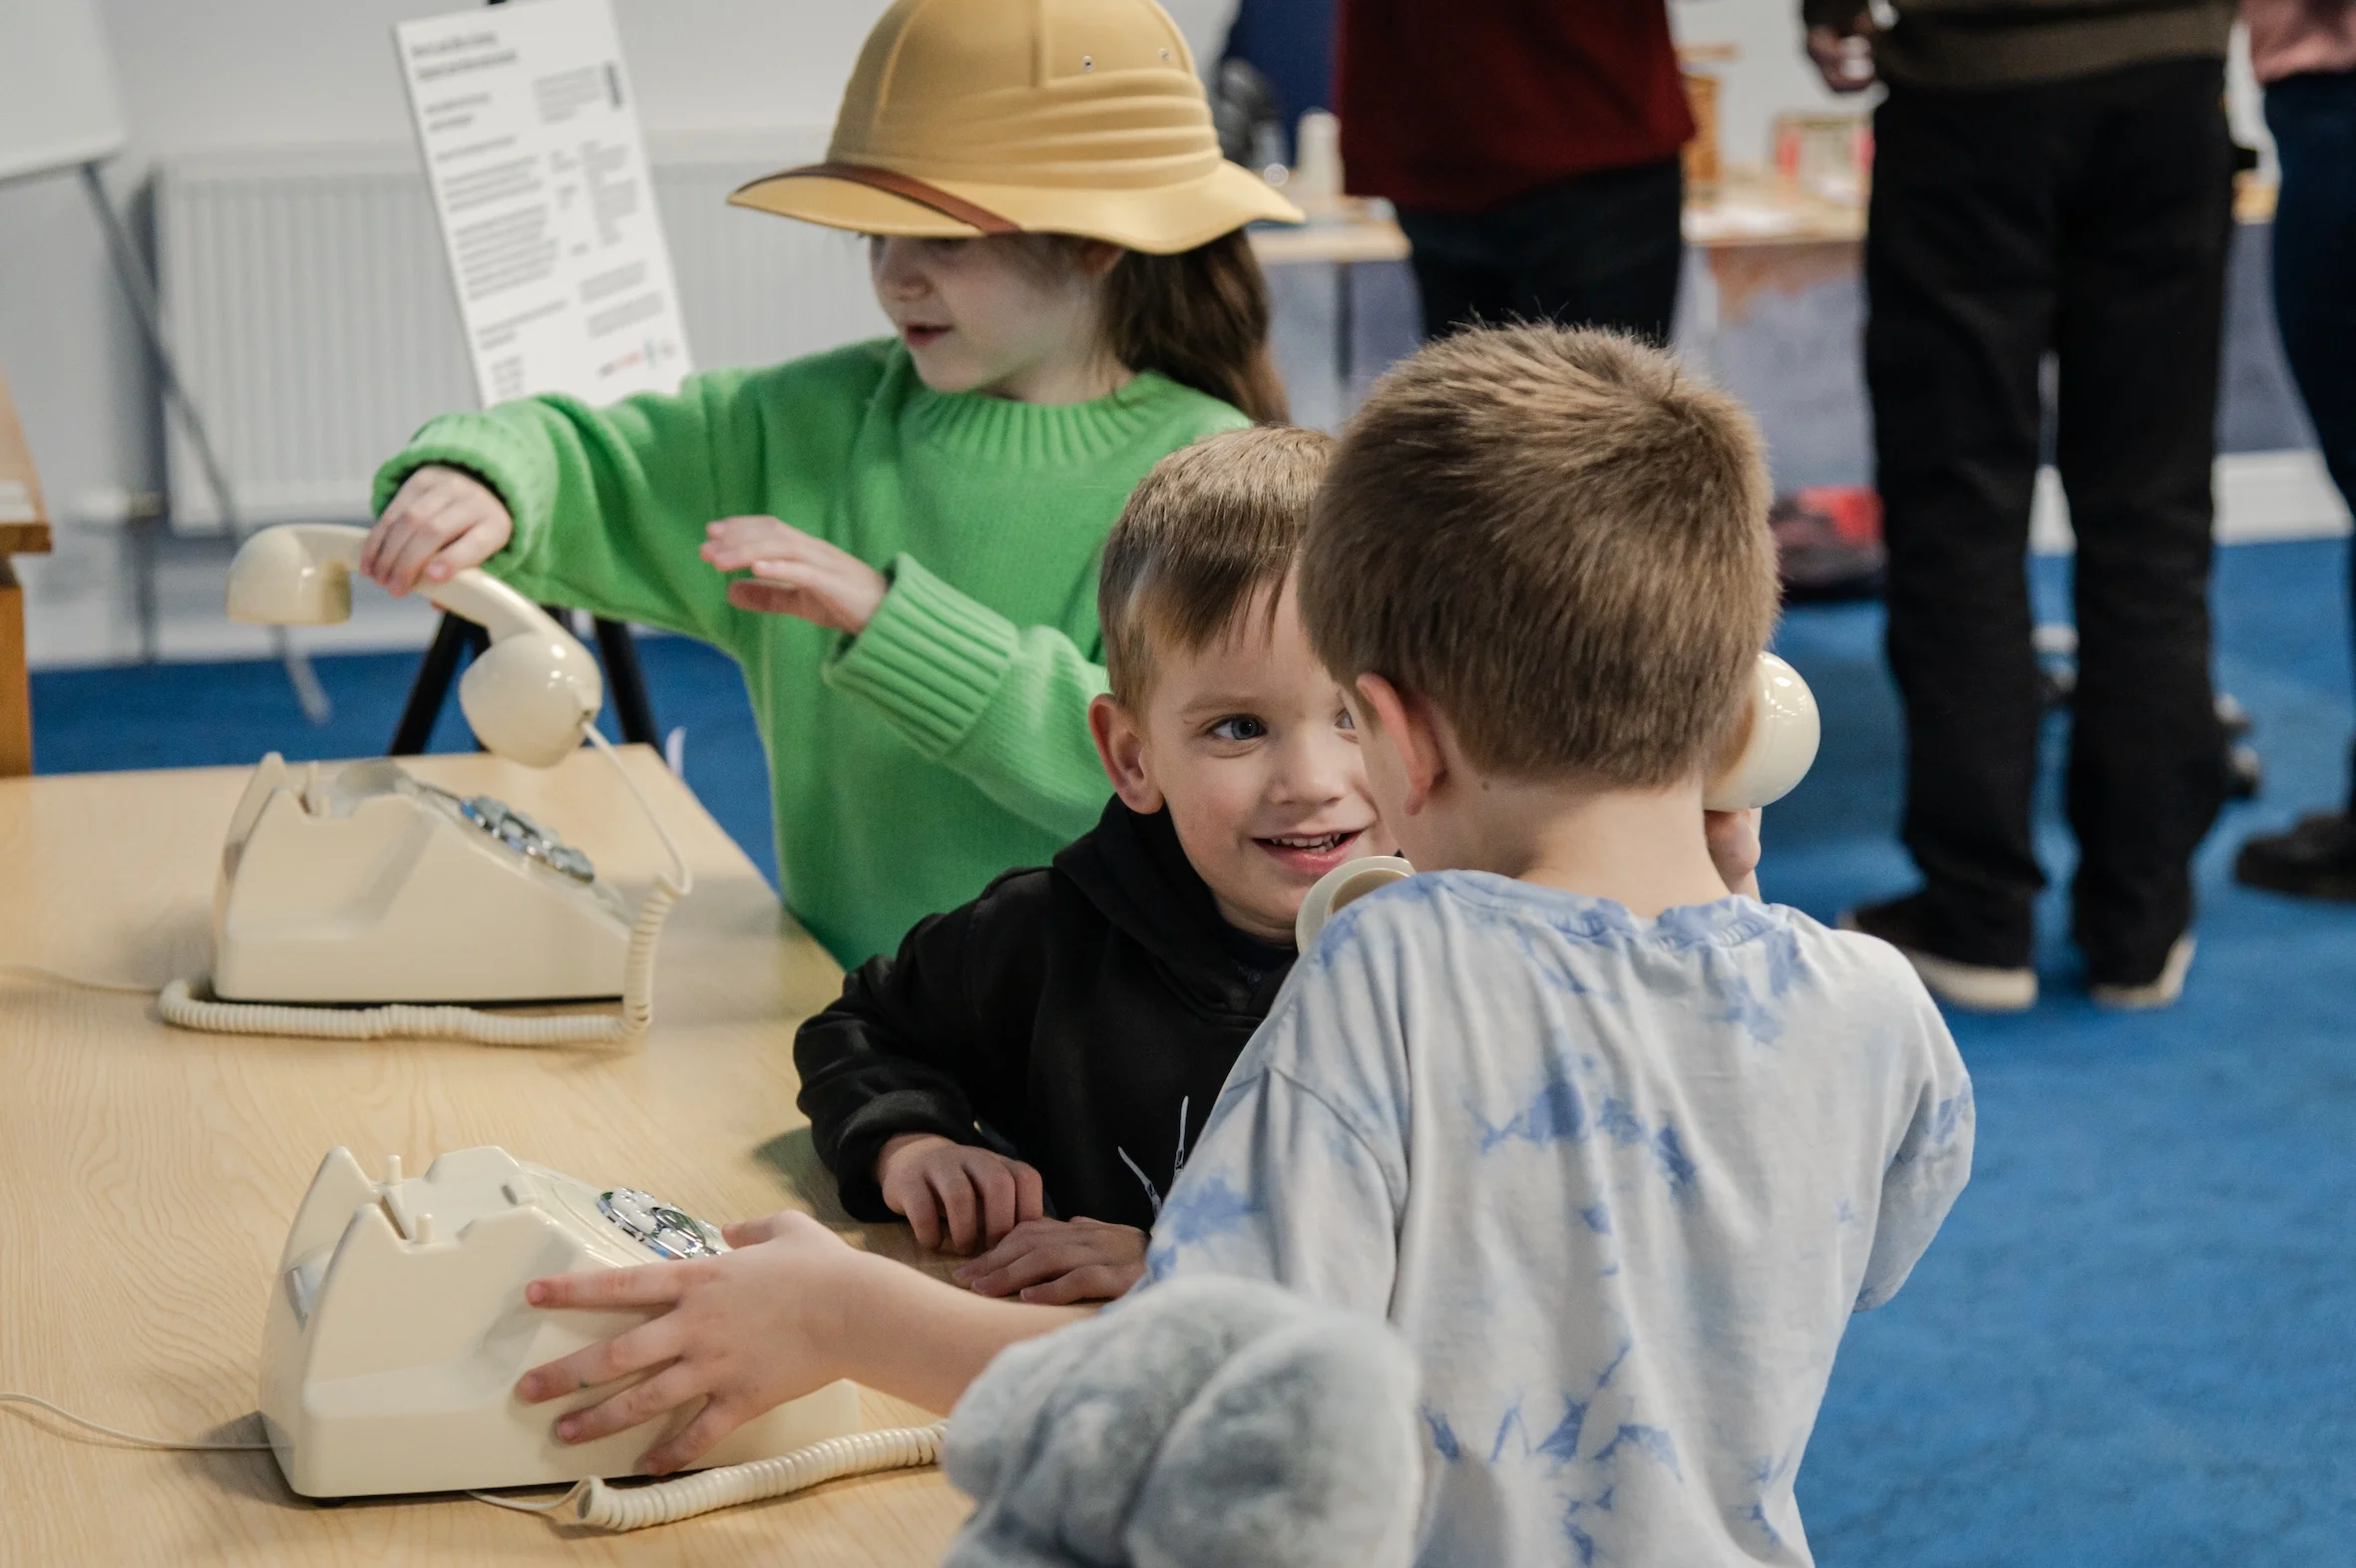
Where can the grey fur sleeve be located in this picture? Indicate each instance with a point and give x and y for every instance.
(1199, 1423)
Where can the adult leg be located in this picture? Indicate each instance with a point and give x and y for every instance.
(1598, 249)
(2313, 119)
(1457, 278)
(1605, 249)
(2146, 226)
(1959, 280)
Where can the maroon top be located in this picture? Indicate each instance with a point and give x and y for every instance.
(1461, 108)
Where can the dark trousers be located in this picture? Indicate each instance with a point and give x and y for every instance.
(1600, 249)
(2089, 218)
(2313, 119)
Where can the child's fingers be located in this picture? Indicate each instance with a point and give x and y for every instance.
(651, 1343)
(1031, 1194)
(649, 1285)
(731, 542)
(958, 1206)
(1097, 1282)
(675, 1385)
(771, 598)
(912, 1201)
(480, 541)
(1014, 1244)
(420, 540)
(1031, 1267)
(994, 1182)
(769, 1227)
(717, 1418)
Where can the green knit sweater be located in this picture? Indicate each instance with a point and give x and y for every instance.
(949, 742)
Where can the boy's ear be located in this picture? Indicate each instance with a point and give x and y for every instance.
(1414, 729)
(1120, 745)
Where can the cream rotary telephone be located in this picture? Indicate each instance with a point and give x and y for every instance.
(1780, 743)
(397, 1329)
(364, 884)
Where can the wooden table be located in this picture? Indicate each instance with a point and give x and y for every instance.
(24, 530)
(150, 1175)
(1747, 222)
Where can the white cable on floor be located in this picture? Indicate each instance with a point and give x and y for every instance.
(116, 1432)
(179, 1006)
(593, 1502)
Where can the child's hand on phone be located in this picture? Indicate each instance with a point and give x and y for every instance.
(439, 523)
(745, 1331)
(955, 1195)
(794, 573)
(1058, 1261)
(1734, 848)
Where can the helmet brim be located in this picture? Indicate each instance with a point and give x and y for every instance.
(1159, 220)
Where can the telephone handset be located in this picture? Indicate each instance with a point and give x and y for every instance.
(1778, 744)
(531, 698)
(365, 884)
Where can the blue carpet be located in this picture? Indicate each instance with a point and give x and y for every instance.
(2130, 1346)
(229, 714)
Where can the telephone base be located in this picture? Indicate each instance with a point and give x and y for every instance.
(360, 885)
(397, 1329)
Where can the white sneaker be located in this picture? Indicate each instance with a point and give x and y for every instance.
(2158, 993)
(1981, 988)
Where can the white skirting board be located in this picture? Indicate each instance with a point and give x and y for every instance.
(2261, 496)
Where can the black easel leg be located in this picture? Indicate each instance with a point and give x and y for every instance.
(633, 713)
(452, 638)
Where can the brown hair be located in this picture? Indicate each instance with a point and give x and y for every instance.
(1199, 317)
(1560, 540)
(1210, 529)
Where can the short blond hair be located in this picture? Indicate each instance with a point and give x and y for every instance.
(1212, 530)
(1559, 539)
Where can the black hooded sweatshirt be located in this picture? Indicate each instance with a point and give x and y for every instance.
(1082, 1017)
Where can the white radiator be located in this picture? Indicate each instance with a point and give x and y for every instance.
(309, 309)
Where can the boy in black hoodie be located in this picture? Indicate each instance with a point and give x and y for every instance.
(1054, 1047)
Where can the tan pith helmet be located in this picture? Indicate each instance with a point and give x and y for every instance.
(997, 117)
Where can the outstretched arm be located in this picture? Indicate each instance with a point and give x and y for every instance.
(790, 1310)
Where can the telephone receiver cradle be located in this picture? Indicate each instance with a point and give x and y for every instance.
(1779, 745)
(396, 1329)
(363, 884)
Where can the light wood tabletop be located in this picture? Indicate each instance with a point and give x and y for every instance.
(149, 1176)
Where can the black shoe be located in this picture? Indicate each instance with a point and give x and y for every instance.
(1983, 987)
(2316, 860)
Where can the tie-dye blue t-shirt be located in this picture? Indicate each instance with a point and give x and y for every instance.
(1620, 1182)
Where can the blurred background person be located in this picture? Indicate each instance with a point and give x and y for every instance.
(2050, 177)
(2304, 53)
(1531, 150)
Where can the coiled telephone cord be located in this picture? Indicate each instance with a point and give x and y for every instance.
(617, 1509)
(179, 1006)
(593, 1502)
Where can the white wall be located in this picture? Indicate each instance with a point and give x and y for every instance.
(275, 73)
(1768, 74)
(272, 73)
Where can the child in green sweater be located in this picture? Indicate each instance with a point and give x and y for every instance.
(1058, 247)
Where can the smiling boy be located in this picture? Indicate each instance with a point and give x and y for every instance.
(1617, 1154)
(1054, 1046)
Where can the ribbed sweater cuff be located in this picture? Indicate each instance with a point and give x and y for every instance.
(517, 468)
(931, 659)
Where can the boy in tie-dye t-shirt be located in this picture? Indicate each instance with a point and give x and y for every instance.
(1618, 1154)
